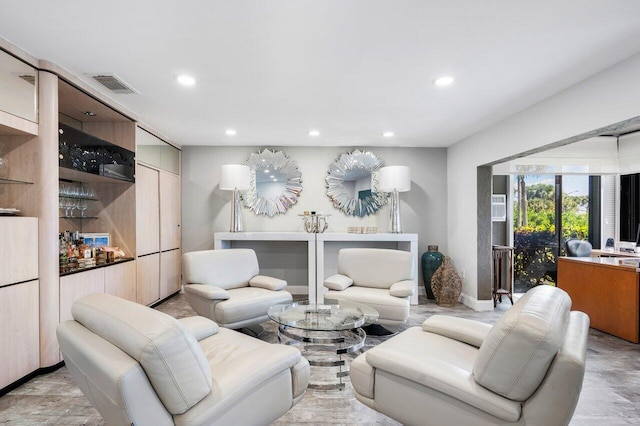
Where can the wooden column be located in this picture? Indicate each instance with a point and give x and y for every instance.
(47, 182)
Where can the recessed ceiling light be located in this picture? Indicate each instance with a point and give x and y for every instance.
(272, 176)
(388, 134)
(90, 113)
(186, 80)
(445, 80)
(314, 133)
(230, 132)
(267, 171)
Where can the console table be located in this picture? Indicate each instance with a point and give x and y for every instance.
(294, 243)
(322, 253)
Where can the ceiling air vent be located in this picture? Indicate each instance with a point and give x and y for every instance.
(113, 83)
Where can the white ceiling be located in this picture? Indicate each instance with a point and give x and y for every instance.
(275, 69)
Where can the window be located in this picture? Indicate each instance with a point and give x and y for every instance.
(629, 206)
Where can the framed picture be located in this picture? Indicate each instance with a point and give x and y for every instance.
(97, 239)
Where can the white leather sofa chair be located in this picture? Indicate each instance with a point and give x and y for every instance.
(527, 369)
(140, 366)
(380, 278)
(224, 286)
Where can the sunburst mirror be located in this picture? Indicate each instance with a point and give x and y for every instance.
(276, 183)
(349, 183)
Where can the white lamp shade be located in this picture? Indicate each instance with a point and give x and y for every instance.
(235, 176)
(396, 178)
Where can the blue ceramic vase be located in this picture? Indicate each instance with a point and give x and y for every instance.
(431, 261)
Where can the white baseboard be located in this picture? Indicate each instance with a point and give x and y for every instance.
(475, 304)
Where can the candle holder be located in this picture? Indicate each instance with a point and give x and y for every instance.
(315, 222)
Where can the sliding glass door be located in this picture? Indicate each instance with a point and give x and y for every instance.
(547, 211)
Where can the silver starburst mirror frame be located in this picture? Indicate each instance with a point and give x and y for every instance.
(276, 183)
(351, 183)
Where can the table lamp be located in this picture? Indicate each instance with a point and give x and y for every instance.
(235, 177)
(394, 179)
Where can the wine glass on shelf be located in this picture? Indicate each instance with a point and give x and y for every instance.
(62, 204)
(66, 204)
(82, 206)
(72, 205)
(88, 192)
(63, 189)
(75, 191)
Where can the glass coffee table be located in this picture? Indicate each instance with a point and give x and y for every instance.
(325, 333)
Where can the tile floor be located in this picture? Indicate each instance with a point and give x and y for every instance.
(610, 395)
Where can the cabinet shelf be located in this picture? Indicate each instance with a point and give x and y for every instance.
(14, 181)
(85, 153)
(90, 268)
(78, 197)
(78, 217)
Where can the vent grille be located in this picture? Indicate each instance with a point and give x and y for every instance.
(31, 79)
(113, 83)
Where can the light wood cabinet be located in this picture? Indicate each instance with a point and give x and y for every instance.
(74, 286)
(170, 267)
(120, 280)
(19, 299)
(147, 210)
(169, 211)
(19, 333)
(148, 279)
(36, 96)
(18, 250)
(158, 216)
(18, 86)
(117, 279)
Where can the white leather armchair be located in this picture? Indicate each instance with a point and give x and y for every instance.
(224, 286)
(139, 366)
(527, 369)
(380, 278)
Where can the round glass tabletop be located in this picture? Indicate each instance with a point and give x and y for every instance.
(332, 315)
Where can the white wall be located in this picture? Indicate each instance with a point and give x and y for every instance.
(206, 209)
(629, 152)
(603, 99)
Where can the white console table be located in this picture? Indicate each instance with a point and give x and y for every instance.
(322, 252)
(226, 240)
(329, 243)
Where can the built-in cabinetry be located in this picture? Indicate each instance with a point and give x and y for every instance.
(117, 279)
(158, 219)
(19, 196)
(19, 353)
(18, 96)
(55, 131)
(96, 165)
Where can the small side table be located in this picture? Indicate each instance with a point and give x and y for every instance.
(502, 273)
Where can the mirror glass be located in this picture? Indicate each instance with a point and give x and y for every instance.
(349, 184)
(156, 152)
(276, 183)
